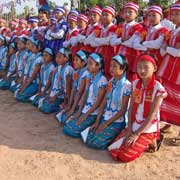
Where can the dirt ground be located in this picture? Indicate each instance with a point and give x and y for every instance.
(33, 147)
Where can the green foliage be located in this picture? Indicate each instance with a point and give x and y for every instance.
(163, 3)
(89, 3)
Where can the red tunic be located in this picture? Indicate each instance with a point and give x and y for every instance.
(97, 30)
(130, 53)
(153, 36)
(68, 37)
(107, 51)
(169, 71)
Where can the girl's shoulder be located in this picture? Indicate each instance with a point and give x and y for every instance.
(68, 70)
(102, 81)
(85, 74)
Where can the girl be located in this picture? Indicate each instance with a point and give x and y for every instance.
(33, 31)
(21, 58)
(5, 82)
(29, 86)
(155, 35)
(93, 28)
(61, 83)
(95, 90)
(170, 74)
(43, 15)
(46, 74)
(79, 78)
(23, 28)
(112, 112)
(77, 41)
(102, 43)
(3, 54)
(125, 36)
(143, 117)
(59, 31)
(72, 32)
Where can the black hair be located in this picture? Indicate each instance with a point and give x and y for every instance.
(101, 61)
(40, 45)
(44, 10)
(10, 45)
(68, 54)
(87, 54)
(125, 62)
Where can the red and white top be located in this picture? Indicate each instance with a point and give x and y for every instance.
(158, 90)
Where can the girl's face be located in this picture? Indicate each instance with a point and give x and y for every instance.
(115, 69)
(58, 15)
(42, 16)
(11, 50)
(129, 15)
(153, 18)
(175, 17)
(78, 63)
(82, 24)
(47, 58)
(72, 24)
(92, 66)
(106, 18)
(94, 17)
(34, 48)
(22, 25)
(145, 70)
(28, 45)
(34, 24)
(61, 59)
(21, 45)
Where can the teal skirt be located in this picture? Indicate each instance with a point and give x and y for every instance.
(5, 84)
(27, 93)
(36, 100)
(104, 138)
(48, 107)
(71, 129)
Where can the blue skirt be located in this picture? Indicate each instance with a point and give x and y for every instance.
(5, 84)
(48, 107)
(13, 88)
(63, 117)
(71, 129)
(104, 138)
(27, 93)
(35, 101)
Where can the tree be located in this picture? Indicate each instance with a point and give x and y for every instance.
(162, 3)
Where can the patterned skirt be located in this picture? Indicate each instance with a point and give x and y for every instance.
(103, 139)
(27, 93)
(5, 84)
(71, 129)
(48, 107)
(170, 112)
(127, 154)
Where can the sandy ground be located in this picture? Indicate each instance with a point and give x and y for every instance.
(33, 147)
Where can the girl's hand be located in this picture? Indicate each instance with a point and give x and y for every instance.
(52, 99)
(102, 127)
(76, 115)
(125, 38)
(40, 94)
(69, 113)
(66, 108)
(81, 119)
(131, 140)
(94, 126)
